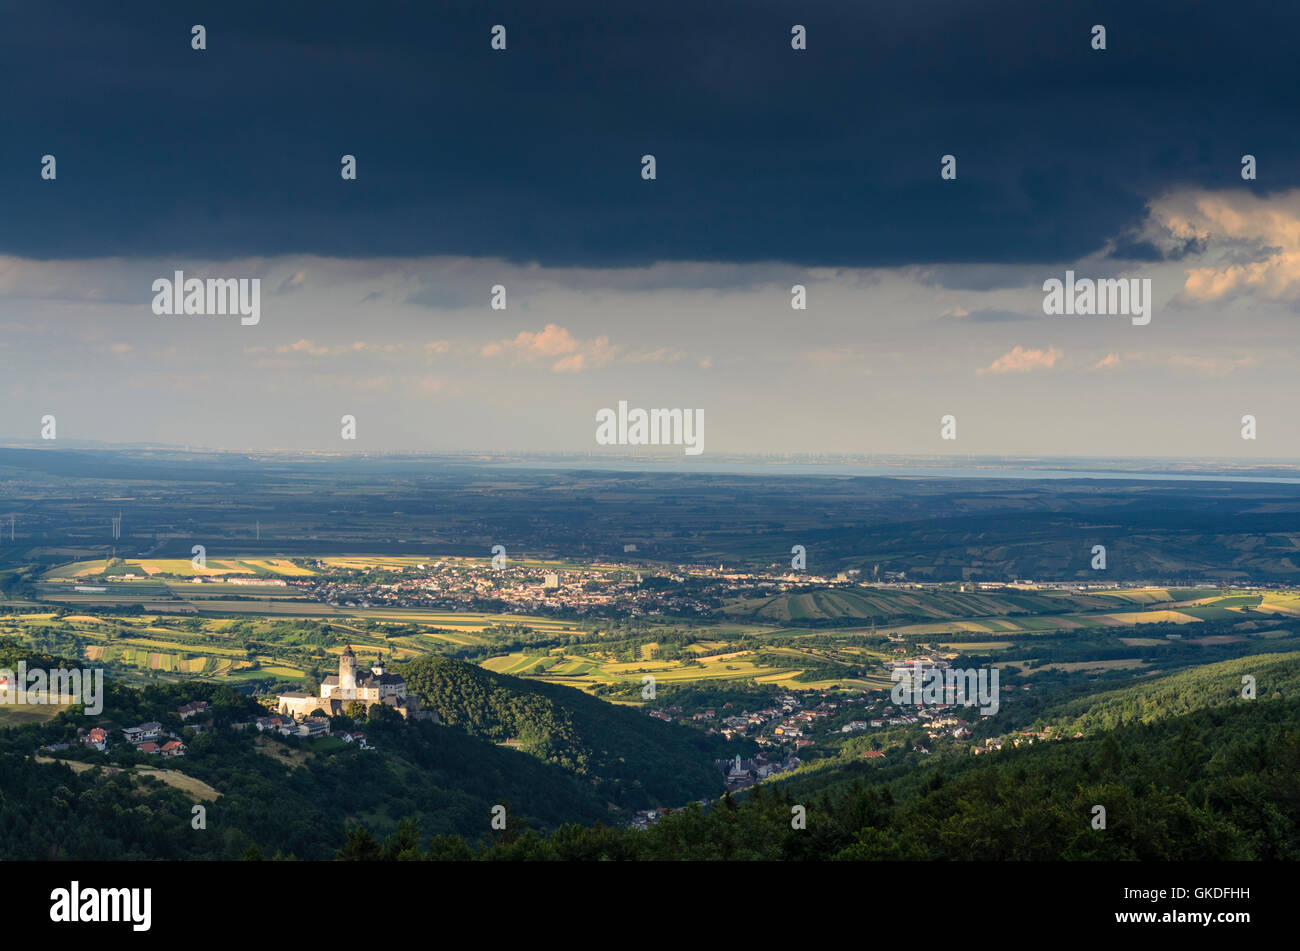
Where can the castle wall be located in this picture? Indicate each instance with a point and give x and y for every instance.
(333, 699)
(299, 707)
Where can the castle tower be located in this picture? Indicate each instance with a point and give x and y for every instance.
(378, 668)
(347, 672)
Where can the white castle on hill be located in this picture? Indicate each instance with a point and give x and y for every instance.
(368, 687)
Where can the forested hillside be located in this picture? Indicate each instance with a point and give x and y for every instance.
(628, 758)
(1183, 765)
(1221, 783)
(282, 796)
(1209, 685)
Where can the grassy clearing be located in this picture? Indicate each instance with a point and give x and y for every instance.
(186, 784)
(1095, 665)
(283, 754)
(15, 714)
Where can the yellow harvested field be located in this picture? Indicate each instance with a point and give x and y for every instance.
(1279, 604)
(184, 567)
(362, 562)
(284, 567)
(1139, 595)
(1145, 617)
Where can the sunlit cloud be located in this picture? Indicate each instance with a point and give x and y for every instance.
(553, 341)
(1244, 245)
(1021, 360)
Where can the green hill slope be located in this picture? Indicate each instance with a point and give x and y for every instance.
(291, 796)
(1217, 784)
(1209, 685)
(627, 757)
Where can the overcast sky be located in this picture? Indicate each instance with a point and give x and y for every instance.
(522, 168)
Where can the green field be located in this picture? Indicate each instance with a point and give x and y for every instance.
(274, 638)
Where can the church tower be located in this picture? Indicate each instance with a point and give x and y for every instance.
(348, 673)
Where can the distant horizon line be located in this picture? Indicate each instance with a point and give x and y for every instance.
(943, 459)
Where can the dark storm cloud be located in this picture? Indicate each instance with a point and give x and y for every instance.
(828, 157)
(1139, 251)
